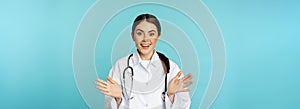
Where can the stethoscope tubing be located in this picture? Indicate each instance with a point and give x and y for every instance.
(128, 96)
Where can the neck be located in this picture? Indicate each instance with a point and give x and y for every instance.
(146, 56)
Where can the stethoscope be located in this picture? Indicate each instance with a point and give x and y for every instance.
(131, 76)
(163, 95)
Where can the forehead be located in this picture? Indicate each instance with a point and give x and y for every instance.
(146, 26)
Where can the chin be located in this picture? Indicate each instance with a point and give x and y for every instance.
(145, 51)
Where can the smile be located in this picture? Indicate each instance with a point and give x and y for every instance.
(145, 45)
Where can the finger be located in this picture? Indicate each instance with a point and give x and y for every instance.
(102, 88)
(187, 84)
(106, 93)
(184, 90)
(111, 80)
(101, 85)
(178, 75)
(98, 83)
(103, 82)
(98, 87)
(187, 77)
(98, 79)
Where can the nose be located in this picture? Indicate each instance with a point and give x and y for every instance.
(145, 38)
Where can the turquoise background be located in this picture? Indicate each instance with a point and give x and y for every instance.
(261, 40)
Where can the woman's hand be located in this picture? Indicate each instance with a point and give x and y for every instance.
(110, 88)
(179, 85)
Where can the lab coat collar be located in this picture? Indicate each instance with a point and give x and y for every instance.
(137, 59)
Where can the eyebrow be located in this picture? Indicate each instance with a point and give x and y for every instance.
(139, 30)
(148, 31)
(151, 31)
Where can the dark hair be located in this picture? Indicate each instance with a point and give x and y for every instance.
(149, 18)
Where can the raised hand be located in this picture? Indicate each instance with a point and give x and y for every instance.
(110, 88)
(179, 85)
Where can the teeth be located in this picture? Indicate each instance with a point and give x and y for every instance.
(145, 44)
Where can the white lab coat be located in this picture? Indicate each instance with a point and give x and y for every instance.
(148, 85)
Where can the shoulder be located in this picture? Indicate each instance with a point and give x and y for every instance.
(116, 69)
(174, 69)
(122, 61)
(172, 64)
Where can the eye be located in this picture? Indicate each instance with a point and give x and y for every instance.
(139, 33)
(152, 34)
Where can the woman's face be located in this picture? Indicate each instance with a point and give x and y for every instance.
(145, 37)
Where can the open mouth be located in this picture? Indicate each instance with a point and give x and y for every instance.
(145, 45)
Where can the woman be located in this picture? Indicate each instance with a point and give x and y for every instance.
(152, 74)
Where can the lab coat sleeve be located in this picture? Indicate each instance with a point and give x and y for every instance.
(182, 99)
(110, 102)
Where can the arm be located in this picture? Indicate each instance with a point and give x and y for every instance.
(111, 88)
(179, 85)
(178, 93)
(181, 101)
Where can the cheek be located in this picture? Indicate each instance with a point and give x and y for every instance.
(136, 40)
(154, 41)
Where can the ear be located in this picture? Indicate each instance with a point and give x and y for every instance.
(132, 36)
(159, 36)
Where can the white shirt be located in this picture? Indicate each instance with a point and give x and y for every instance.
(148, 85)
